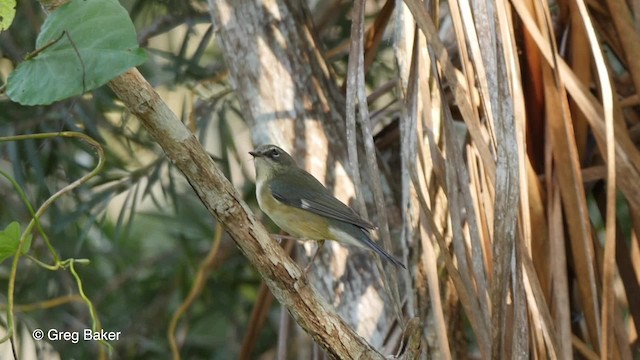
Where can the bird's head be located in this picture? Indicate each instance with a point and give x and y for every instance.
(270, 160)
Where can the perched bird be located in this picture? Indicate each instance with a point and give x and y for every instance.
(300, 205)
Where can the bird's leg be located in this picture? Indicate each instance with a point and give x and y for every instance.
(306, 269)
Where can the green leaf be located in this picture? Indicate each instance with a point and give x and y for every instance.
(27, 244)
(9, 240)
(105, 39)
(7, 13)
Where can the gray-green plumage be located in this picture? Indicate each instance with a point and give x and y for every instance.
(300, 205)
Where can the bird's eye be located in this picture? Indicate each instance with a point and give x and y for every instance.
(274, 153)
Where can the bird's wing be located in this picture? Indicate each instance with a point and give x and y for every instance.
(314, 198)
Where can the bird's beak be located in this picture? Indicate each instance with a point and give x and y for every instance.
(255, 154)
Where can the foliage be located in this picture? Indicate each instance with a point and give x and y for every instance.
(7, 13)
(74, 55)
(137, 223)
(10, 241)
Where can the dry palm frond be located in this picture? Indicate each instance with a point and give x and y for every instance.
(524, 249)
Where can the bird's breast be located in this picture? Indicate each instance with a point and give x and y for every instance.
(266, 201)
(295, 221)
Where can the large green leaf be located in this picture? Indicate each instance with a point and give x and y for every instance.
(105, 40)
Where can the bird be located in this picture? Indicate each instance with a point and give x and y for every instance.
(301, 206)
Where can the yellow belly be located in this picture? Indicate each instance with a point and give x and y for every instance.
(296, 222)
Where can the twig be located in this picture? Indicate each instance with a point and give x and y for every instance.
(198, 284)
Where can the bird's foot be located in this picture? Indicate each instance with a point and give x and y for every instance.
(279, 237)
(305, 272)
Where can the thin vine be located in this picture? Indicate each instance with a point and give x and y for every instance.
(57, 263)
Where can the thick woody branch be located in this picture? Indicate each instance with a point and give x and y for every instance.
(279, 272)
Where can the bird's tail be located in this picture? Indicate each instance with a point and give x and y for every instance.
(378, 249)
